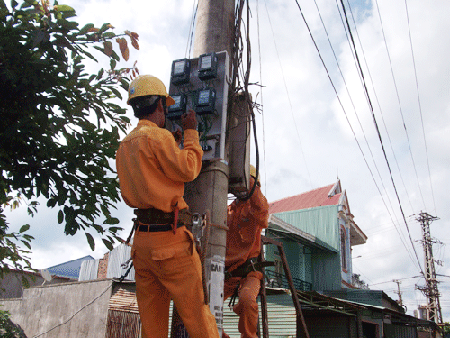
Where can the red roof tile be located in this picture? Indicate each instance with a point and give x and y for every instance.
(310, 199)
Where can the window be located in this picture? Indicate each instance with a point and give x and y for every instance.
(343, 249)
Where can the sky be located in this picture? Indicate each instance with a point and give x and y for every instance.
(317, 125)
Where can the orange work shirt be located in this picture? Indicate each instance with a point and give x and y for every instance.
(245, 219)
(152, 168)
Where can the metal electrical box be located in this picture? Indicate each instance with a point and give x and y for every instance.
(201, 84)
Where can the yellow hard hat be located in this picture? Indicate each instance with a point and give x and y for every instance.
(145, 85)
(253, 174)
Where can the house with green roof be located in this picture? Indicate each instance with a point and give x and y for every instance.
(318, 232)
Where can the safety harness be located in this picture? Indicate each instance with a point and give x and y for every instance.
(154, 220)
(242, 271)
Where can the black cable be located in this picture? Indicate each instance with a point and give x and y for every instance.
(418, 101)
(399, 102)
(250, 194)
(379, 136)
(379, 107)
(354, 134)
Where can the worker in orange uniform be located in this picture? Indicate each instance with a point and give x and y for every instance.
(152, 170)
(246, 219)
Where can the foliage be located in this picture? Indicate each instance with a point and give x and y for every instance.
(60, 126)
(7, 328)
(358, 282)
(445, 327)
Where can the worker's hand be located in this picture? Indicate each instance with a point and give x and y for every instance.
(189, 120)
(177, 136)
(252, 183)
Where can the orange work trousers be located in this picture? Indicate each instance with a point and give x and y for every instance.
(168, 267)
(247, 307)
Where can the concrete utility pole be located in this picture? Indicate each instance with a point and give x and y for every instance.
(399, 293)
(214, 33)
(431, 290)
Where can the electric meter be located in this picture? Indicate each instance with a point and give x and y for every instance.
(178, 109)
(207, 66)
(205, 101)
(181, 70)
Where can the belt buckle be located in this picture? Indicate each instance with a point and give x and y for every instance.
(197, 229)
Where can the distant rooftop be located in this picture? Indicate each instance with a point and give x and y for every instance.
(328, 195)
(70, 269)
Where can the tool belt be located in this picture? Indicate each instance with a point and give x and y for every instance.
(248, 266)
(154, 220)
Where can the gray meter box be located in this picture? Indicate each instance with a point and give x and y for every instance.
(216, 116)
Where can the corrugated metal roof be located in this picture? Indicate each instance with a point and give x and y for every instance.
(320, 222)
(288, 230)
(310, 199)
(281, 318)
(70, 269)
(88, 270)
(117, 257)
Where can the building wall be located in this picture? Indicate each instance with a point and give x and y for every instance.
(299, 261)
(11, 285)
(346, 274)
(331, 326)
(326, 271)
(400, 331)
(282, 321)
(70, 310)
(322, 222)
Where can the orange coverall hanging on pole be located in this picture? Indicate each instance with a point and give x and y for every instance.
(246, 219)
(152, 170)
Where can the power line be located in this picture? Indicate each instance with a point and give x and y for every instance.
(371, 108)
(191, 30)
(399, 102)
(262, 101)
(378, 132)
(354, 134)
(379, 106)
(420, 106)
(354, 108)
(391, 281)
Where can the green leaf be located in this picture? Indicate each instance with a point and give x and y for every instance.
(124, 84)
(99, 228)
(65, 8)
(60, 216)
(51, 202)
(27, 244)
(116, 92)
(111, 220)
(86, 28)
(108, 35)
(114, 229)
(24, 228)
(28, 237)
(105, 27)
(100, 74)
(125, 119)
(108, 244)
(90, 240)
(25, 282)
(115, 56)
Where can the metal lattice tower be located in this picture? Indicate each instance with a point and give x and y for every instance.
(434, 312)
